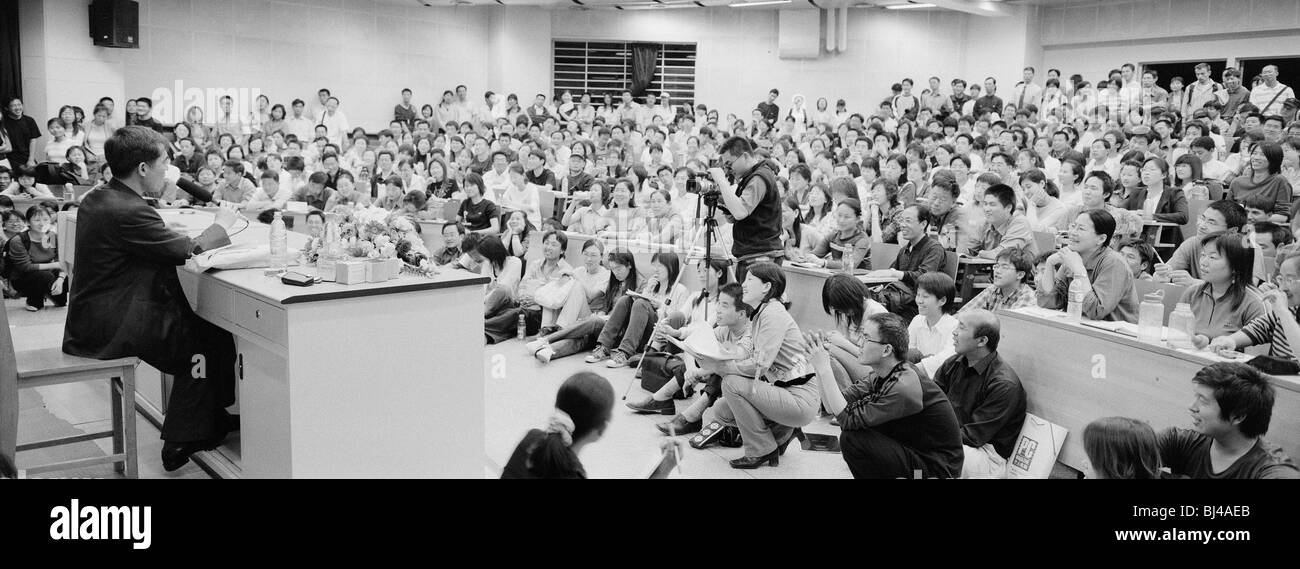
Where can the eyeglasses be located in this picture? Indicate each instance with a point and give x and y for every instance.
(1284, 280)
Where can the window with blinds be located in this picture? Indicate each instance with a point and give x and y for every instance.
(606, 67)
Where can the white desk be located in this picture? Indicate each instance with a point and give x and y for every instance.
(367, 380)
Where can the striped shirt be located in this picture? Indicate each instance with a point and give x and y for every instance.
(992, 298)
(1268, 329)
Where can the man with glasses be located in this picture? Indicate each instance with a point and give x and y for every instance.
(920, 254)
(1183, 267)
(895, 422)
(752, 205)
(1010, 287)
(985, 393)
(1270, 95)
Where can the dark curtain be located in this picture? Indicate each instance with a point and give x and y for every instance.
(645, 58)
(11, 75)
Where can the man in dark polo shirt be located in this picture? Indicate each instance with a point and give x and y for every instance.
(1230, 413)
(985, 393)
(771, 112)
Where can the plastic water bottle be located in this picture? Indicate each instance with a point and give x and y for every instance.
(1074, 305)
(522, 331)
(1151, 315)
(279, 244)
(1181, 327)
(329, 252)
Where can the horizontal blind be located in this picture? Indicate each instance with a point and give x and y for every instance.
(606, 67)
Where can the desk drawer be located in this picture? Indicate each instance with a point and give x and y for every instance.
(260, 318)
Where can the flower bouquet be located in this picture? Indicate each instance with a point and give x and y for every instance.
(376, 233)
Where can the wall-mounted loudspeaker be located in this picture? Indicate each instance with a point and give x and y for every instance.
(115, 23)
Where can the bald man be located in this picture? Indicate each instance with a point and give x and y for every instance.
(985, 393)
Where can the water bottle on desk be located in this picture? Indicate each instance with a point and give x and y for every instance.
(330, 250)
(1074, 304)
(1181, 327)
(522, 329)
(1151, 315)
(279, 244)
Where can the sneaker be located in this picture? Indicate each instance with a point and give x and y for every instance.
(601, 353)
(649, 405)
(31, 308)
(617, 359)
(544, 355)
(535, 345)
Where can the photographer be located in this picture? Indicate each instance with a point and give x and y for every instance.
(753, 204)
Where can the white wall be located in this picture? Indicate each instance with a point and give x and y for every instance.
(737, 51)
(1093, 39)
(362, 50)
(520, 60)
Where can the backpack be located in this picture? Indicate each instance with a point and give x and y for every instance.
(5, 264)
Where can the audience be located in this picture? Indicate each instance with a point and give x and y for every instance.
(931, 171)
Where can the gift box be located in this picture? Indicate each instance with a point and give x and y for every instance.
(351, 271)
(380, 270)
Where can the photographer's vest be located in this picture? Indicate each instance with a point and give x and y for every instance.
(760, 232)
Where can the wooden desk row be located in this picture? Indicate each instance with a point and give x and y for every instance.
(1074, 374)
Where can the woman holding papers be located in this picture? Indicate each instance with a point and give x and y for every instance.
(767, 396)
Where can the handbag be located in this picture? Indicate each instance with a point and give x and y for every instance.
(553, 294)
(657, 368)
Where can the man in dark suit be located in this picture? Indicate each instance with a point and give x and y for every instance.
(129, 302)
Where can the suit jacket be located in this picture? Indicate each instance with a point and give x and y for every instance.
(1172, 208)
(128, 299)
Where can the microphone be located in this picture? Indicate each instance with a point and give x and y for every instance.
(194, 190)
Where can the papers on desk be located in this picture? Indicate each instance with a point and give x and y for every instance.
(236, 257)
(702, 343)
(806, 265)
(1042, 312)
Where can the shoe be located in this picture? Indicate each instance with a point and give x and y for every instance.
(175, 455)
(635, 361)
(31, 308)
(751, 462)
(544, 355)
(797, 434)
(535, 345)
(601, 353)
(835, 422)
(680, 426)
(715, 433)
(617, 359)
(649, 405)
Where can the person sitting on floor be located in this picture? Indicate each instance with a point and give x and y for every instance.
(848, 301)
(1121, 448)
(894, 421)
(1010, 288)
(584, 406)
(770, 395)
(1231, 410)
(985, 393)
(734, 335)
(634, 315)
(583, 335)
(549, 269)
(585, 296)
(31, 261)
